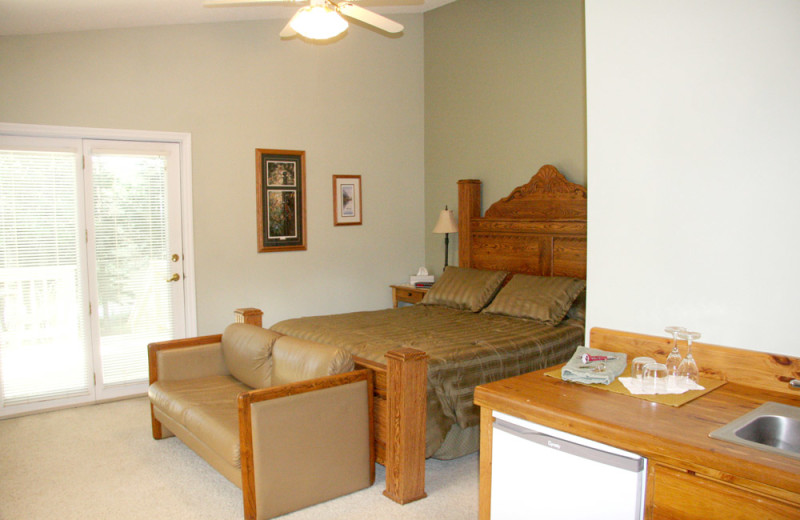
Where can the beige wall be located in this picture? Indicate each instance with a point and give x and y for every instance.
(694, 169)
(504, 94)
(355, 107)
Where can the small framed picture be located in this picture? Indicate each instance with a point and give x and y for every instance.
(281, 187)
(346, 200)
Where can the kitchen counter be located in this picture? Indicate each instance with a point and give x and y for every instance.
(676, 438)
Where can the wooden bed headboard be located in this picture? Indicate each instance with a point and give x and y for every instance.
(540, 228)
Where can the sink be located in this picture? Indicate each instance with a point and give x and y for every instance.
(773, 427)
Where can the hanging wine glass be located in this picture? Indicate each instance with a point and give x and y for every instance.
(687, 370)
(674, 358)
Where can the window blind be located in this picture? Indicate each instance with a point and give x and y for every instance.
(132, 263)
(43, 349)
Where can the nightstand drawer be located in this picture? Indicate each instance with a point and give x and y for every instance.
(407, 294)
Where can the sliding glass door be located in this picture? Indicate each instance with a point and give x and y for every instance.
(135, 256)
(44, 340)
(91, 267)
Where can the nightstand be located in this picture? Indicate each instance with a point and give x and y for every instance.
(407, 294)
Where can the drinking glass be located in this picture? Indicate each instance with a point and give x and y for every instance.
(674, 358)
(687, 370)
(637, 366)
(655, 378)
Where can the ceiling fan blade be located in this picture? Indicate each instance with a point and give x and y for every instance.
(287, 31)
(368, 17)
(393, 3)
(242, 3)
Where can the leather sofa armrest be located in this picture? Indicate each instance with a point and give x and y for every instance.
(306, 442)
(188, 358)
(179, 359)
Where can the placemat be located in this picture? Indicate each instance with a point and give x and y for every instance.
(669, 399)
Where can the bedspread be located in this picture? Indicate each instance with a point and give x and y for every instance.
(465, 349)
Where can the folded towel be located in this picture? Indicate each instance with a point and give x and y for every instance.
(594, 372)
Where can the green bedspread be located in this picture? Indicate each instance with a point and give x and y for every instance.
(466, 349)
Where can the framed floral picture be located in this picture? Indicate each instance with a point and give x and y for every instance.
(281, 187)
(346, 200)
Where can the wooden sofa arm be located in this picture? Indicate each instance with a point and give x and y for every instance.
(305, 442)
(167, 359)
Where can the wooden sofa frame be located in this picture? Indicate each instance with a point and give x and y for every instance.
(247, 399)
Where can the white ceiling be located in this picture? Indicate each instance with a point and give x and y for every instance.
(49, 16)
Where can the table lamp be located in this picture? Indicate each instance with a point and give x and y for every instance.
(446, 224)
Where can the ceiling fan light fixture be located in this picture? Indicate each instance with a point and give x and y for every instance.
(318, 22)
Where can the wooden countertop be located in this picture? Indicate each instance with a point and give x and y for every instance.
(674, 436)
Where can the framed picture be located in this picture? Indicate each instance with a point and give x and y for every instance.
(281, 187)
(347, 200)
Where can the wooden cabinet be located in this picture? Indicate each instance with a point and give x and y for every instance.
(685, 495)
(677, 488)
(407, 294)
(690, 475)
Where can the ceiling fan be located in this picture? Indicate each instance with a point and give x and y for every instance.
(321, 19)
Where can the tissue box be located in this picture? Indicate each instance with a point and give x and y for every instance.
(416, 278)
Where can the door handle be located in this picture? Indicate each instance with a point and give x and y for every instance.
(174, 278)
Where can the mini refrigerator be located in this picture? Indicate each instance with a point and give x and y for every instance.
(539, 472)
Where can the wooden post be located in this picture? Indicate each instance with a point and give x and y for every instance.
(485, 473)
(249, 315)
(469, 207)
(407, 402)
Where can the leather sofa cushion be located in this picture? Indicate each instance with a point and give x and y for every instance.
(295, 359)
(247, 350)
(207, 407)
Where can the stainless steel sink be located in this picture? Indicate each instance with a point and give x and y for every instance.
(771, 427)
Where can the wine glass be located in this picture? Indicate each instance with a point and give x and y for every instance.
(687, 370)
(674, 358)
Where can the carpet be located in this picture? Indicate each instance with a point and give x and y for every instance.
(101, 462)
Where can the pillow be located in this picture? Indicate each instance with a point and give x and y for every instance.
(247, 350)
(464, 288)
(542, 298)
(578, 309)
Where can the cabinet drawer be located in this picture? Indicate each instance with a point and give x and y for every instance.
(686, 496)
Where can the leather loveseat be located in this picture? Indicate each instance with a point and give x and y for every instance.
(287, 420)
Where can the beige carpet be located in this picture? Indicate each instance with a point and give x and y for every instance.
(101, 462)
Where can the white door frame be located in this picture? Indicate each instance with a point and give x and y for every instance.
(171, 151)
(75, 146)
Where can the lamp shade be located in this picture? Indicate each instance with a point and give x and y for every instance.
(447, 222)
(318, 22)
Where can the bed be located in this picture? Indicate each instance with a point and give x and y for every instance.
(470, 328)
(464, 349)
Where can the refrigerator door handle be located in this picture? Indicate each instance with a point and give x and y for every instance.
(565, 446)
